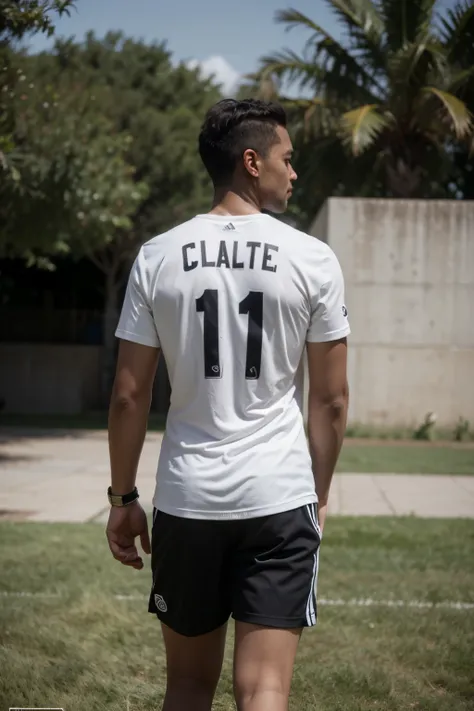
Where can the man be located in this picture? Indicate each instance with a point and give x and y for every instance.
(232, 298)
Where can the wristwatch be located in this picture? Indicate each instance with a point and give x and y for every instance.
(122, 499)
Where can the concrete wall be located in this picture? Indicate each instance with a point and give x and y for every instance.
(409, 273)
(36, 378)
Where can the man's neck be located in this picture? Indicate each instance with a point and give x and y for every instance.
(230, 202)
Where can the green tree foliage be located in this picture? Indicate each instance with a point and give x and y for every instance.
(19, 18)
(457, 34)
(62, 165)
(70, 185)
(130, 92)
(384, 110)
(159, 105)
(22, 17)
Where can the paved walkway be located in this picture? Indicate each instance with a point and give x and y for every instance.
(64, 477)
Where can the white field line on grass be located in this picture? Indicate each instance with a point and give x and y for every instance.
(355, 602)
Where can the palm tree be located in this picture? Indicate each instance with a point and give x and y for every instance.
(383, 110)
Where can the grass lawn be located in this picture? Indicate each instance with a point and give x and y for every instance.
(86, 649)
(406, 458)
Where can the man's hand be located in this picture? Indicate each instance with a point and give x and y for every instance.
(124, 525)
(322, 512)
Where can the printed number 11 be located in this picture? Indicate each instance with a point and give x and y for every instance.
(208, 304)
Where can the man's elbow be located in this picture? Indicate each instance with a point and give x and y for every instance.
(335, 402)
(337, 407)
(127, 397)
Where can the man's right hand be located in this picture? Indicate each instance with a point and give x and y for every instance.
(322, 512)
(124, 525)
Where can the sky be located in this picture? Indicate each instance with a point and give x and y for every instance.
(226, 37)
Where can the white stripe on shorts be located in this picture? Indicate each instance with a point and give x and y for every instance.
(311, 603)
(314, 518)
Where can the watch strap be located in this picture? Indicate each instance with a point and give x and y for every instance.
(122, 499)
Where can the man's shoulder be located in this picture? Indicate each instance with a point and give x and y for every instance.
(309, 247)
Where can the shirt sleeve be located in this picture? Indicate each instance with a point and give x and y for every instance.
(136, 321)
(329, 320)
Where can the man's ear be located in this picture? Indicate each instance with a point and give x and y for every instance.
(251, 162)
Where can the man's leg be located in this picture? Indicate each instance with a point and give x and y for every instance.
(274, 598)
(191, 598)
(263, 666)
(193, 669)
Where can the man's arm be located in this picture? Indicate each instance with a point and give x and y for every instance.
(128, 412)
(327, 412)
(128, 415)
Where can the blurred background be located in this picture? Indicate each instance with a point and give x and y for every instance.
(101, 104)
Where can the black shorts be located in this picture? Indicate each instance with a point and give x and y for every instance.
(259, 570)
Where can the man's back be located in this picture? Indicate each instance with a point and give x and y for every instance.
(231, 302)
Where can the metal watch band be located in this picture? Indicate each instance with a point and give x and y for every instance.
(122, 499)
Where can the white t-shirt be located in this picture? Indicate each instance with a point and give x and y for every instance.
(231, 302)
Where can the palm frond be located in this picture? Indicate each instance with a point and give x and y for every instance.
(327, 169)
(362, 126)
(457, 32)
(406, 20)
(359, 13)
(293, 18)
(456, 109)
(461, 79)
(320, 39)
(304, 107)
(292, 67)
(311, 117)
(322, 49)
(364, 27)
(411, 65)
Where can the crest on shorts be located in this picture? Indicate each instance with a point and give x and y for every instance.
(160, 603)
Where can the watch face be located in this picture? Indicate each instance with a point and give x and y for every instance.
(119, 500)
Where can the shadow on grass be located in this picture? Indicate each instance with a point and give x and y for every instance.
(16, 427)
(8, 458)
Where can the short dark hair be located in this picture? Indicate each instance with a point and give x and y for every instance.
(231, 127)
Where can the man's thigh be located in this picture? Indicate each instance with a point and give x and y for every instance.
(263, 665)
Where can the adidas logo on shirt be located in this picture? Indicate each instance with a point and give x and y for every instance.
(229, 227)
